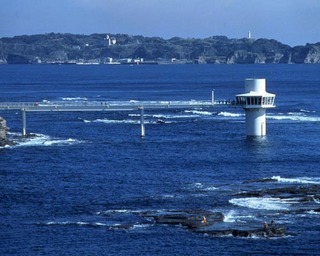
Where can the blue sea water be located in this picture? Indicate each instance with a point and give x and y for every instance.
(77, 186)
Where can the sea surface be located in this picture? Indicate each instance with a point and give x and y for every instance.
(78, 183)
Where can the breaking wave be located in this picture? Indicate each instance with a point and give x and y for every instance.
(262, 203)
(304, 180)
(74, 223)
(295, 116)
(199, 112)
(42, 140)
(229, 114)
(74, 98)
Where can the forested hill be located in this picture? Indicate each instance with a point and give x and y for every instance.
(121, 48)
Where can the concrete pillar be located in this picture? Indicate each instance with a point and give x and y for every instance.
(24, 122)
(142, 122)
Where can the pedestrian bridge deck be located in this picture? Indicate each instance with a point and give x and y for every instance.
(107, 105)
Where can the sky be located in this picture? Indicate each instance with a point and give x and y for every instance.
(292, 22)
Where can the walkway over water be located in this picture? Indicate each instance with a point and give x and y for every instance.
(107, 105)
(47, 106)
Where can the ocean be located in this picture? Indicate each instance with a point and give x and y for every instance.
(82, 181)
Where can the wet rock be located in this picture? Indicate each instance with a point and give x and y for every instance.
(307, 192)
(244, 231)
(260, 180)
(212, 223)
(3, 133)
(190, 219)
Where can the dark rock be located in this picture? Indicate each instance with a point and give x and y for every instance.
(244, 231)
(3, 133)
(212, 223)
(190, 219)
(260, 180)
(305, 191)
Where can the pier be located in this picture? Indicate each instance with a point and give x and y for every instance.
(82, 106)
(254, 101)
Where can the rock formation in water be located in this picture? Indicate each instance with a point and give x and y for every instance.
(212, 223)
(3, 132)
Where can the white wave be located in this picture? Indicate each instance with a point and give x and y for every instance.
(111, 121)
(313, 212)
(297, 117)
(62, 223)
(74, 98)
(234, 216)
(202, 187)
(113, 211)
(98, 224)
(135, 226)
(230, 216)
(210, 188)
(304, 180)
(307, 111)
(316, 200)
(262, 203)
(198, 112)
(229, 114)
(75, 223)
(44, 140)
(198, 185)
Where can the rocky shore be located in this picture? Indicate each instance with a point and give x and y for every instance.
(300, 199)
(213, 224)
(3, 133)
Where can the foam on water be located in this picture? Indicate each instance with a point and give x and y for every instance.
(295, 117)
(43, 140)
(198, 112)
(74, 98)
(303, 180)
(235, 216)
(119, 211)
(110, 121)
(262, 203)
(229, 114)
(74, 223)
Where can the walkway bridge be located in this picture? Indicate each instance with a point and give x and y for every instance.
(49, 106)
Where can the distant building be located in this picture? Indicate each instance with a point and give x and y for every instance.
(111, 40)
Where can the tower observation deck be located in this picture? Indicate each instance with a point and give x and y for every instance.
(255, 101)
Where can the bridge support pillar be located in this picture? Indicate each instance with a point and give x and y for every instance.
(212, 97)
(24, 122)
(142, 122)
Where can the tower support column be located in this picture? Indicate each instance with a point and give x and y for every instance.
(24, 122)
(142, 122)
(255, 101)
(255, 122)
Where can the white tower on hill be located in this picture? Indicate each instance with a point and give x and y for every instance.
(255, 102)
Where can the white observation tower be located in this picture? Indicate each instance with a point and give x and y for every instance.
(255, 101)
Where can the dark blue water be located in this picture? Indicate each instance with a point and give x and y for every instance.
(66, 189)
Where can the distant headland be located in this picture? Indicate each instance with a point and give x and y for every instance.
(56, 48)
